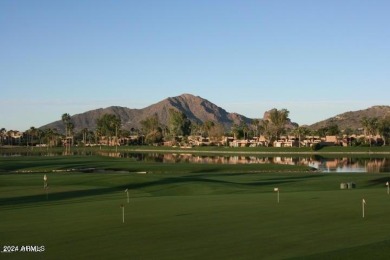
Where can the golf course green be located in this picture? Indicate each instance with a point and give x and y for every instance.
(115, 208)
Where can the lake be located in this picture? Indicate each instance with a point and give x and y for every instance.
(337, 164)
(366, 163)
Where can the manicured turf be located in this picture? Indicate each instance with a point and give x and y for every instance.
(199, 214)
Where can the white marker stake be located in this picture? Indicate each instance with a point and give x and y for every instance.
(45, 186)
(387, 184)
(127, 191)
(44, 181)
(277, 190)
(363, 203)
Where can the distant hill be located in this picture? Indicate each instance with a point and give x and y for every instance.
(195, 108)
(200, 110)
(352, 119)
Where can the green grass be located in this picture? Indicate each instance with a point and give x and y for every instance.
(179, 213)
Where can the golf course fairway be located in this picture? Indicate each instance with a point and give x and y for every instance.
(182, 214)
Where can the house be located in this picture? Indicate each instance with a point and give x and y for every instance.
(330, 140)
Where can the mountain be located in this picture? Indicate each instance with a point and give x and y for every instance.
(195, 108)
(352, 119)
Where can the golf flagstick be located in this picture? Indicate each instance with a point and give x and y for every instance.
(45, 186)
(127, 191)
(363, 204)
(44, 181)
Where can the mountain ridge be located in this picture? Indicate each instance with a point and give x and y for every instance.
(200, 110)
(196, 108)
(352, 119)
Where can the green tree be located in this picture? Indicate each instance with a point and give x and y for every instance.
(301, 131)
(245, 129)
(370, 126)
(265, 129)
(278, 120)
(384, 129)
(40, 135)
(69, 126)
(152, 130)
(236, 131)
(206, 127)
(31, 133)
(108, 125)
(150, 123)
(179, 124)
(216, 132)
(3, 134)
(51, 137)
(255, 124)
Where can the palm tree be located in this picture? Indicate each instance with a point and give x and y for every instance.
(84, 133)
(108, 125)
(265, 129)
(51, 136)
(10, 134)
(384, 128)
(66, 119)
(301, 131)
(278, 119)
(245, 129)
(40, 135)
(255, 123)
(370, 126)
(31, 132)
(3, 133)
(235, 129)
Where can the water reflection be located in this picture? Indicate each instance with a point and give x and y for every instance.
(344, 164)
(341, 164)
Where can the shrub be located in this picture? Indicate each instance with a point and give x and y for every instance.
(316, 146)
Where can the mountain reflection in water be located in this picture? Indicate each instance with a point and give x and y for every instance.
(324, 164)
(340, 164)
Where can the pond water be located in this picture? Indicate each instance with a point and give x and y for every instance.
(370, 164)
(339, 164)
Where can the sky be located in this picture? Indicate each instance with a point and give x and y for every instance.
(317, 59)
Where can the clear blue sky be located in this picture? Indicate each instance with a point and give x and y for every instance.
(315, 58)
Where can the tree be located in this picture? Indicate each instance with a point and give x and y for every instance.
(82, 136)
(300, 132)
(51, 135)
(32, 132)
(264, 129)
(67, 120)
(108, 125)
(150, 124)
(384, 129)
(370, 126)
(331, 129)
(347, 133)
(3, 134)
(206, 127)
(152, 129)
(179, 124)
(255, 124)
(216, 132)
(236, 131)
(154, 137)
(278, 120)
(245, 129)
